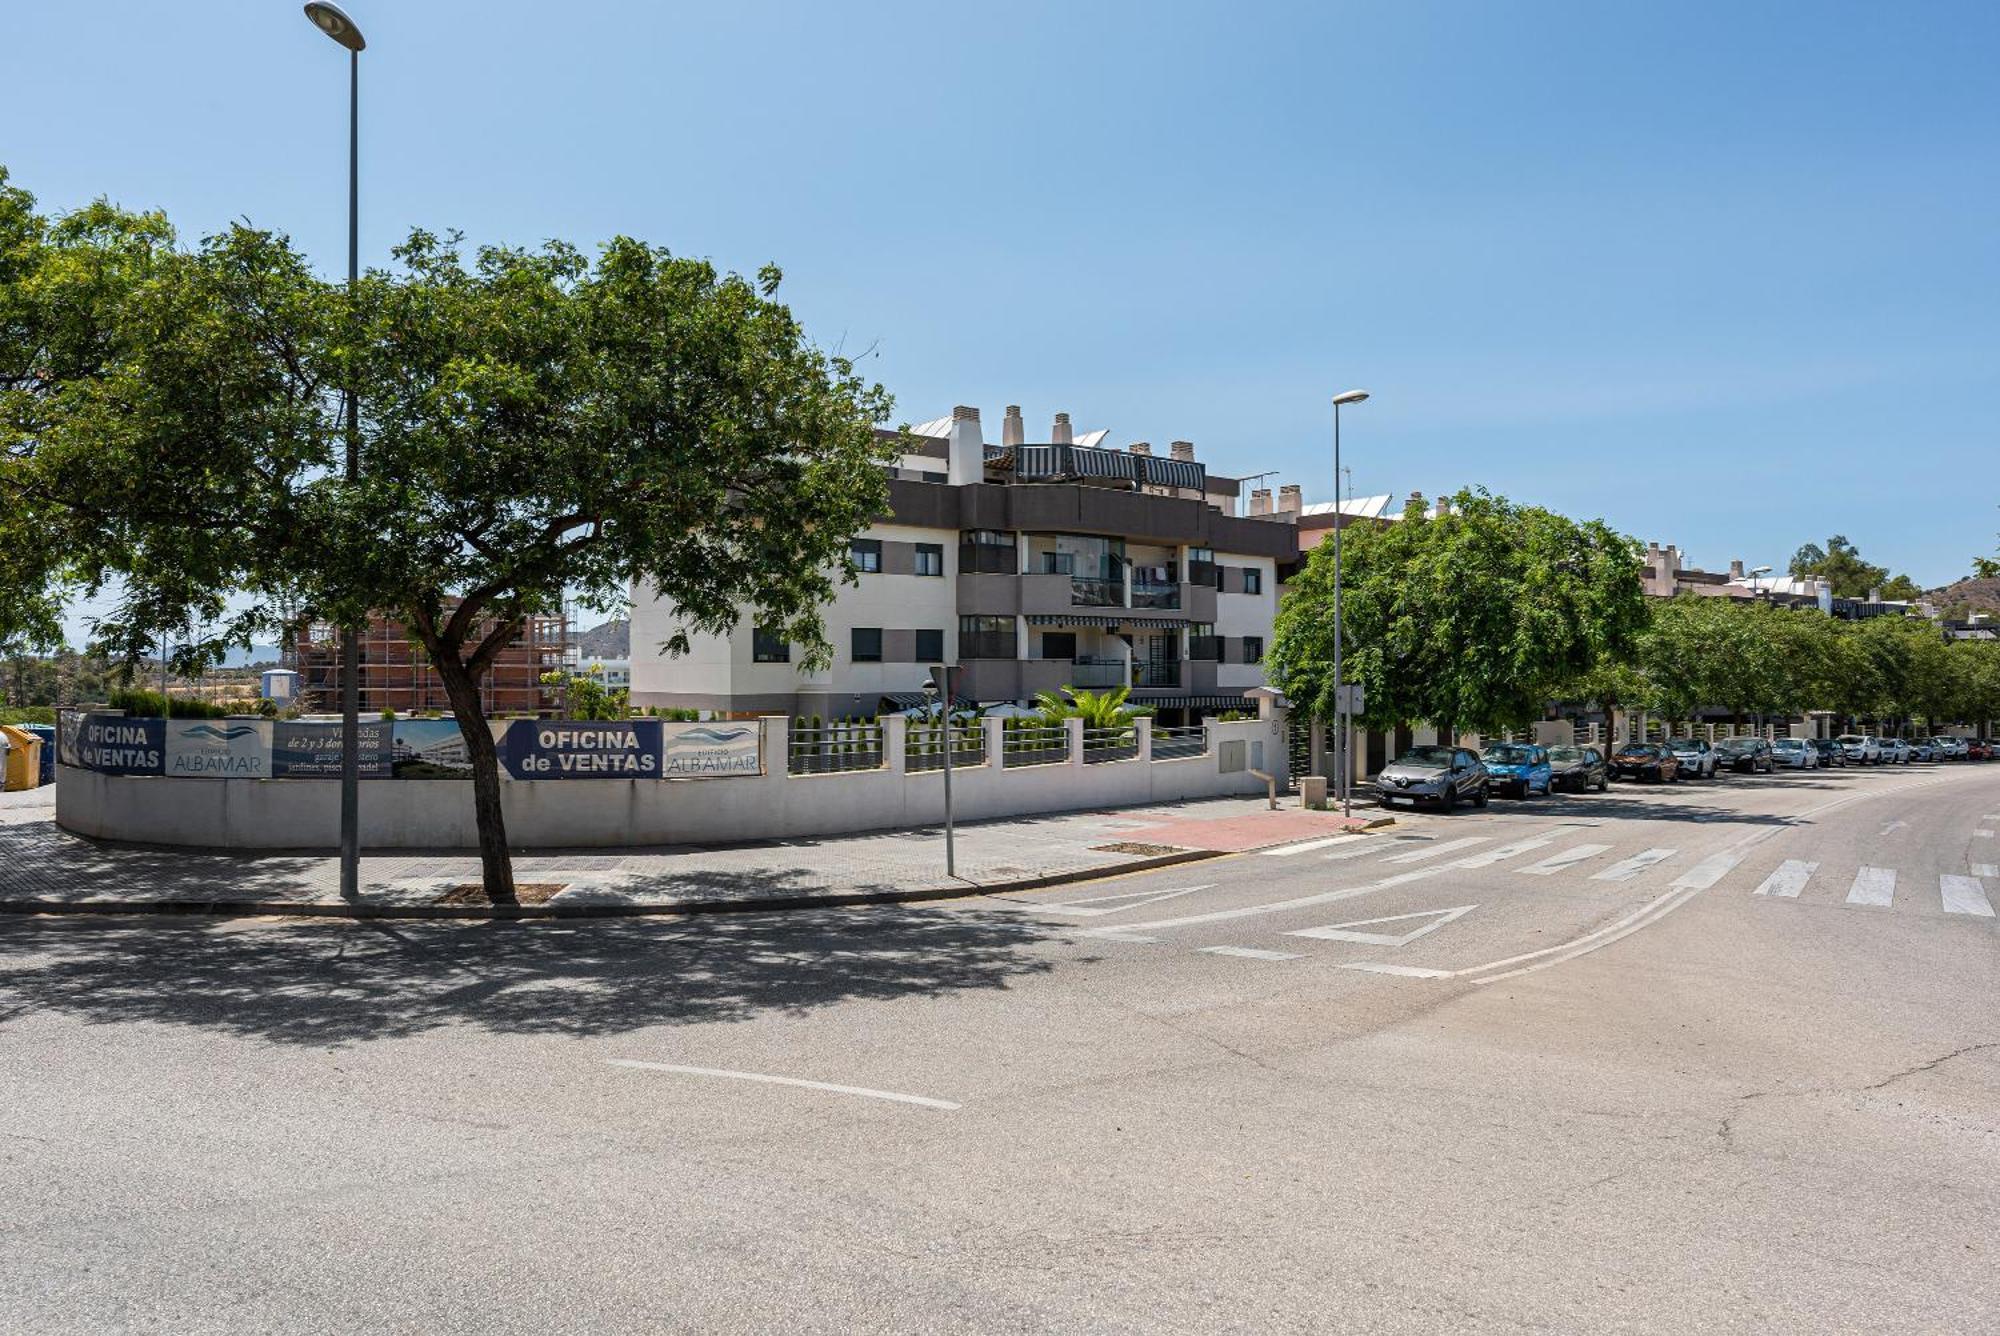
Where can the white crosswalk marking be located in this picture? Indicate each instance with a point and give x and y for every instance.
(1248, 952)
(1985, 870)
(1434, 850)
(1568, 858)
(1707, 872)
(1505, 851)
(1631, 867)
(1788, 879)
(1872, 886)
(1288, 850)
(1401, 971)
(1964, 895)
(1357, 846)
(1983, 834)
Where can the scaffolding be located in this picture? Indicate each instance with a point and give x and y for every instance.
(396, 671)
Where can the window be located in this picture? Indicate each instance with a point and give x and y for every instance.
(982, 637)
(867, 554)
(1059, 644)
(987, 552)
(930, 646)
(1253, 649)
(1253, 583)
(930, 559)
(868, 644)
(765, 647)
(1204, 646)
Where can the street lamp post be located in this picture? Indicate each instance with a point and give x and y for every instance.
(943, 673)
(332, 20)
(1341, 765)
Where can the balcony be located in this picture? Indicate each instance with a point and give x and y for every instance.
(1086, 592)
(1155, 594)
(1096, 673)
(1156, 673)
(986, 645)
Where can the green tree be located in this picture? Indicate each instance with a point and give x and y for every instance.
(1841, 566)
(532, 422)
(1472, 619)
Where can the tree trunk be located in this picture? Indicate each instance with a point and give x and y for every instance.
(496, 864)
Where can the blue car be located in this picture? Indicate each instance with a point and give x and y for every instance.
(1518, 768)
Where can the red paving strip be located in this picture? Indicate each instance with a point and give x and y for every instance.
(1258, 830)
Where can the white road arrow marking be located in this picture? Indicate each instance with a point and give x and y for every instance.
(1633, 866)
(1788, 879)
(765, 1079)
(1568, 858)
(1343, 932)
(1248, 952)
(1894, 826)
(1872, 886)
(1405, 971)
(1273, 907)
(1964, 895)
(1112, 904)
(1985, 870)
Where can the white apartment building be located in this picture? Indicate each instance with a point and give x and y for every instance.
(1032, 566)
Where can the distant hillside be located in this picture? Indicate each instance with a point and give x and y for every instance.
(1976, 595)
(613, 640)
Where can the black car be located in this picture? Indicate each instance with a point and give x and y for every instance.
(1647, 761)
(1830, 752)
(1578, 769)
(1746, 755)
(1433, 775)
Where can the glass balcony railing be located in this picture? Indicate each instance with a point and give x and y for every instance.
(1155, 594)
(1085, 592)
(1097, 673)
(1156, 673)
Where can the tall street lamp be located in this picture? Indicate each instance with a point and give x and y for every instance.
(1340, 762)
(940, 682)
(332, 20)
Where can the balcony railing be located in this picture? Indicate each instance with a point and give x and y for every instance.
(1155, 594)
(1085, 592)
(987, 645)
(1096, 673)
(1156, 672)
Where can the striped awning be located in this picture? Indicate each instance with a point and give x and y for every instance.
(1193, 702)
(1107, 623)
(917, 700)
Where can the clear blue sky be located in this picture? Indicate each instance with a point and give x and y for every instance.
(1725, 274)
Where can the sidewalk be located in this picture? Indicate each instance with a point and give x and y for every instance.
(43, 869)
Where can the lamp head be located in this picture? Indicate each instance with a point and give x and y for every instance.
(332, 20)
(930, 687)
(1350, 397)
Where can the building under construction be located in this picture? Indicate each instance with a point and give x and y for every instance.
(396, 671)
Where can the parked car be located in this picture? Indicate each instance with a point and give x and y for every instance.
(1861, 748)
(1439, 776)
(1578, 769)
(1949, 748)
(1645, 761)
(1697, 758)
(1978, 749)
(1895, 751)
(1923, 749)
(1517, 768)
(1830, 752)
(1794, 754)
(1745, 754)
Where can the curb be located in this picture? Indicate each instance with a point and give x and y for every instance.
(773, 904)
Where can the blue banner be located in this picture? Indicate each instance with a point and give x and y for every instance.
(310, 749)
(581, 749)
(116, 745)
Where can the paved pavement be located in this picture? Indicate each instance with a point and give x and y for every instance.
(1610, 1087)
(42, 864)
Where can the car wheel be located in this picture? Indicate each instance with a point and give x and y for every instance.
(1448, 801)
(1479, 799)
(1604, 785)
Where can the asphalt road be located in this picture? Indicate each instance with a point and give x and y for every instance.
(1558, 1065)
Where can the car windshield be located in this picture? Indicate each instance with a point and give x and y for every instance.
(1789, 744)
(1852, 739)
(1636, 749)
(1509, 753)
(1426, 758)
(1736, 744)
(1565, 753)
(1685, 744)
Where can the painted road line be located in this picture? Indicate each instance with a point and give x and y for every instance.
(1568, 858)
(1872, 886)
(1893, 827)
(1248, 952)
(1964, 895)
(1788, 879)
(1270, 907)
(1287, 851)
(1506, 851)
(1401, 971)
(1434, 850)
(1344, 932)
(1629, 868)
(1707, 872)
(766, 1079)
(1983, 834)
(1115, 904)
(1358, 845)
(1986, 870)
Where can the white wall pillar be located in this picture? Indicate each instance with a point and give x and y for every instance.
(1144, 727)
(895, 743)
(996, 742)
(1073, 728)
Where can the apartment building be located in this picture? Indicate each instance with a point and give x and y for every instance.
(1034, 566)
(396, 672)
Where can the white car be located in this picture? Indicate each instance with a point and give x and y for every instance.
(1895, 751)
(1861, 749)
(1949, 748)
(1796, 753)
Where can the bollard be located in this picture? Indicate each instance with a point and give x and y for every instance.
(1312, 792)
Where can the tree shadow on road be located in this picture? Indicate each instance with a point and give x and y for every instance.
(335, 982)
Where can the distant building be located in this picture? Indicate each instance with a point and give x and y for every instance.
(278, 685)
(396, 672)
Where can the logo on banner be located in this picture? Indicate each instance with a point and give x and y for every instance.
(701, 751)
(218, 750)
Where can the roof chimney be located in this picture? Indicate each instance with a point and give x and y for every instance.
(1736, 570)
(965, 452)
(1012, 430)
(1441, 507)
(1060, 434)
(1141, 447)
(1290, 499)
(1875, 595)
(1183, 451)
(1417, 500)
(1260, 501)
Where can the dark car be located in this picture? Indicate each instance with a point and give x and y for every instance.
(1645, 761)
(1578, 769)
(1830, 752)
(1745, 755)
(1433, 775)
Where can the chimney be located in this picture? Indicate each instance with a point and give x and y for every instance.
(1417, 500)
(1260, 501)
(1141, 447)
(1440, 508)
(1736, 570)
(1289, 499)
(1875, 595)
(1012, 430)
(1060, 434)
(1183, 451)
(965, 454)
(1673, 559)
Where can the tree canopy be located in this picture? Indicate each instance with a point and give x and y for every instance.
(1841, 566)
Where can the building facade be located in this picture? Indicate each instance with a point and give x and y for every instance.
(1034, 567)
(396, 672)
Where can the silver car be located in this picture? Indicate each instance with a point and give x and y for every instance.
(1949, 748)
(1796, 753)
(1697, 758)
(1895, 751)
(1861, 748)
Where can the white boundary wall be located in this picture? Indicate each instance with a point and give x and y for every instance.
(437, 814)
